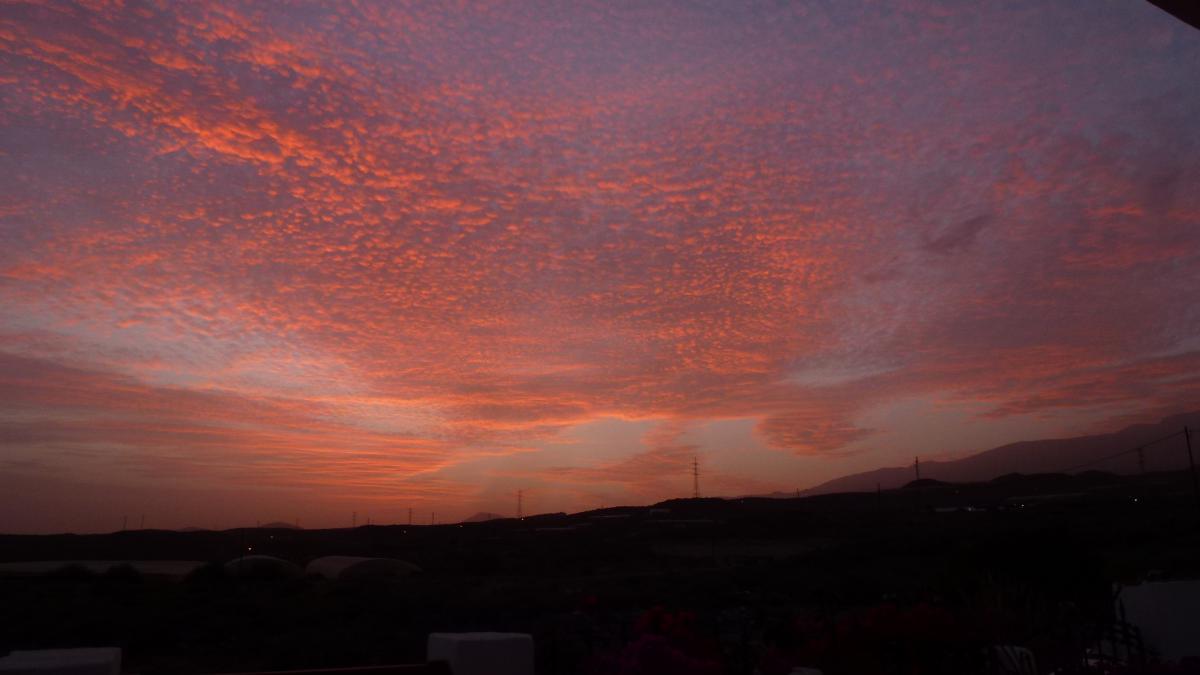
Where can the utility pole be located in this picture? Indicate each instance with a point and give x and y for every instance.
(917, 466)
(695, 478)
(1187, 437)
(432, 517)
(519, 513)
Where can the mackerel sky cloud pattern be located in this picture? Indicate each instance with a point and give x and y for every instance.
(267, 261)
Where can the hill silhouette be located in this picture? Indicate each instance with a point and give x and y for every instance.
(1041, 457)
(483, 516)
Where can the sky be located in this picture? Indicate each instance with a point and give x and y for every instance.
(322, 261)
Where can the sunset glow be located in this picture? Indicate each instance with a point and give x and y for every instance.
(271, 261)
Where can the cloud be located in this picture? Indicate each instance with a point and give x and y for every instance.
(958, 237)
(354, 247)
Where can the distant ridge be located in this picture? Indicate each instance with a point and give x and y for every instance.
(1043, 456)
(484, 516)
(280, 525)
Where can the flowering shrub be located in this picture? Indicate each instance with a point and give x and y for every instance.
(655, 655)
(665, 643)
(881, 639)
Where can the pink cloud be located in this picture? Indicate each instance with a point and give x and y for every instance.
(352, 248)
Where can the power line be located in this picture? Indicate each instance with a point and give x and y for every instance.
(1122, 453)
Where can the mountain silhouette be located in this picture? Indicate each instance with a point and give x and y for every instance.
(483, 516)
(1044, 456)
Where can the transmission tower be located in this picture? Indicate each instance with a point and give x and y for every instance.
(695, 478)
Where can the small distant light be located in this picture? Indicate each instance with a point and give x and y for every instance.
(249, 548)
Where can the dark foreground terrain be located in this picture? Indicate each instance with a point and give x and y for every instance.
(915, 580)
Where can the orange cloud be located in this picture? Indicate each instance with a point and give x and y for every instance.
(356, 248)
